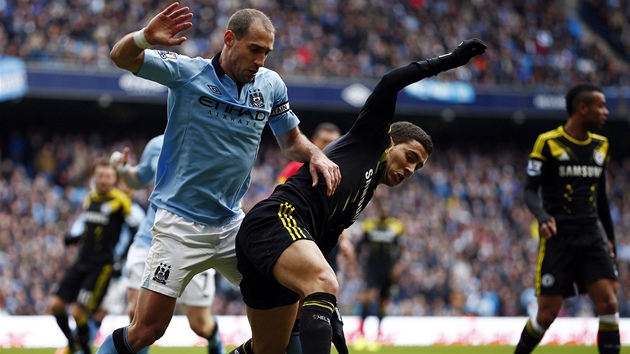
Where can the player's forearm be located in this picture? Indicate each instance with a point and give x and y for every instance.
(603, 211)
(398, 78)
(533, 202)
(127, 55)
(295, 146)
(130, 175)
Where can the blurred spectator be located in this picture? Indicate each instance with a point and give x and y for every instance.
(531, 43)
(469, 246)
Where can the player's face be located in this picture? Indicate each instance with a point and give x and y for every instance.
(596, 112)
(104, 178)
(402, 161)
(325, 137)
(246, 55)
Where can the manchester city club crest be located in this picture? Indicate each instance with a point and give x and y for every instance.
(256, 98)
(161, 273)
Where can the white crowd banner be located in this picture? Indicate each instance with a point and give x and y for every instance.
(43, 332)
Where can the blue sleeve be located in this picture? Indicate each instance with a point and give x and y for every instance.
(78, 226)
(282, 119)
(169, 68)
(148, 162)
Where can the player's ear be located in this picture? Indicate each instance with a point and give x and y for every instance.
(229, 38)
(391, 141)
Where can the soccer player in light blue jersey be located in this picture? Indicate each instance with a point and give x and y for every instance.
(198, 296)
(217, 109)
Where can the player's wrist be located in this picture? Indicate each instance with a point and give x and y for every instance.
(140, 40)
(119, 167)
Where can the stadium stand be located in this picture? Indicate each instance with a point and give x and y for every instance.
(531, 43)
(470, 247)
(469, 240)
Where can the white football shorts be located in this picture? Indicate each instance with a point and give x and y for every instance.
(199, 292)
(182, 248)
(134, 266)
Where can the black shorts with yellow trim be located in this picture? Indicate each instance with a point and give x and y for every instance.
(267, 230)
(564, 266)
(85, 284)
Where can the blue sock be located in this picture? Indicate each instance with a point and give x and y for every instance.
(116, 343)
(94, 326)
(295, 346)
(107, 347)
(144, 351)
(215, 346)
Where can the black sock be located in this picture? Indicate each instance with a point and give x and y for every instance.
(62, 322)
(315, 328)
(120, 342)
(529, 339)
(83, 335)
(245, 348)
(608, 340)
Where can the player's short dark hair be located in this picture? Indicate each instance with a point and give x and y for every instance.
(99, 162)
(579, 93)
(242, 20)
(402, 132)
(326, 126)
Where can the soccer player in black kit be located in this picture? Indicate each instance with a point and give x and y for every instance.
(283, 239)
(380, 248)
(569, 165)
(83, 286)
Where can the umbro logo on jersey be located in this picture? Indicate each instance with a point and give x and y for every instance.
(214, 89)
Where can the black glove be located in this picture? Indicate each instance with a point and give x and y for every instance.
(465, 51)
(338, 338)
(70, 240)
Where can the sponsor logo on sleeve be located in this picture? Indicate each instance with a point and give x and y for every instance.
(534, 167)
(165, 54)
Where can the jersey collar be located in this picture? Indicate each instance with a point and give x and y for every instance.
(220, 72)
(217, 66)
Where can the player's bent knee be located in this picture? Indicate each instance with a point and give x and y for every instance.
(608, 307)
(56, 306)
(144, 336)
(328, 283)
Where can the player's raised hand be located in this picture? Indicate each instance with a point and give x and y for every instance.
(468, 49)
(465, 51)
(118, 160)
(163, 28)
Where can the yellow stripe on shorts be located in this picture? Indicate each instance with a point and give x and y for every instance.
(541, 256)
(284, 213)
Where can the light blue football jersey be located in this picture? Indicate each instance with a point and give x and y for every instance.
(212, 134)
(146, 170)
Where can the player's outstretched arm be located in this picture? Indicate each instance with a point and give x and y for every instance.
(128, 53)
(129, 173)
(397, 79)
(465, 51)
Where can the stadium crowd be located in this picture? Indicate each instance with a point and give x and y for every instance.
(531, 43)
(469, 245)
